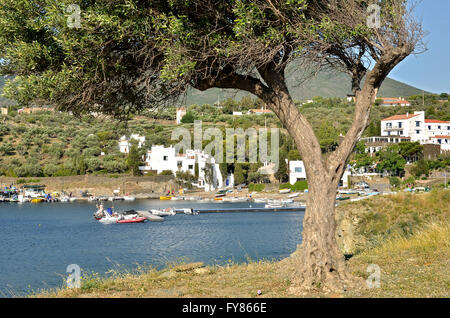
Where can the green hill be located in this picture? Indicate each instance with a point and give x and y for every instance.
(325, 84)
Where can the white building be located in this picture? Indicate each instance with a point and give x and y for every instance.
(416, 127)
(297, 171)
(160, 158)
(391, 101)
(125, 143)
(181, 111)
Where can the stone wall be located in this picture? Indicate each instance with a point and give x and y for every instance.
(102, 185)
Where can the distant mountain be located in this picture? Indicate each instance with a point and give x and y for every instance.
(325, 84)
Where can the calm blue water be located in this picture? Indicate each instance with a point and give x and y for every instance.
(38, 242)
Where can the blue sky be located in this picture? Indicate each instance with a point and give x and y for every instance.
(430, 71)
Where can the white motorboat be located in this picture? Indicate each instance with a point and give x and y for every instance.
(274, 205)
(260, 200)
(129, 198)
(293, 195)
(64, 199)
(284, 191)
(163, 212)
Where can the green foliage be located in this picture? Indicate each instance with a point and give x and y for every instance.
(395, 182)
(188, 118)
(166, 173)
(391, 161)
(298, 186)
(282, 173)
(134, 160)
(239, 177)
(256, 187)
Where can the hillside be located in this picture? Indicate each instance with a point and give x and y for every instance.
(325, 84)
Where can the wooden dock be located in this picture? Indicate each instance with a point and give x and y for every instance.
(241, 210)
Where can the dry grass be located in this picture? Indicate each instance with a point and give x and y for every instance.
(413, 263)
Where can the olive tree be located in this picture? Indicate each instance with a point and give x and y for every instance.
(122, 56)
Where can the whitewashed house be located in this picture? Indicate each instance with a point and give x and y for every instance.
(297, 171)
(417, 128)
(125, 143)
(161, 158)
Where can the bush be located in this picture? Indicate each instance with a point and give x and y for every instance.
(298, 186)
(394, 182)
(188, 118)
(166, 173)
(256, 187)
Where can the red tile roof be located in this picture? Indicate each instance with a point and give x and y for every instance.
(433, 121)
(400, 117)
(441, 137)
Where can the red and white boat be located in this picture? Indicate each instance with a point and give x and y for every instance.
(109, 217)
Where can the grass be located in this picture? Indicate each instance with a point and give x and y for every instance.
(413, 262)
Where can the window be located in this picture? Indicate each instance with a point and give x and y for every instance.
(439, 127)
(417, 123)
(399, 125)
(298, 169)
(166, 158)
(190, 167)
(440, 141)
(389, 125)
(429, 127)
(418, 132)
(179, 163)
(401, 132)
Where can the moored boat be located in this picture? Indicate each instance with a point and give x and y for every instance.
(165, 197)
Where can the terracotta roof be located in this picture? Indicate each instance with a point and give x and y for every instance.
(400, 117)
(441, 137)
(433, 121)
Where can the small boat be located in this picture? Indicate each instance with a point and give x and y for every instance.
(221, 193)
(260, 200)
(64, 199)
(293, 195)
(164, 197)
(340, 198)
(129, 198)
(37, 200)
(110, 217)
(218, 199)
(137, 219)
(284, 191)
(274, 205)
(163, 212)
